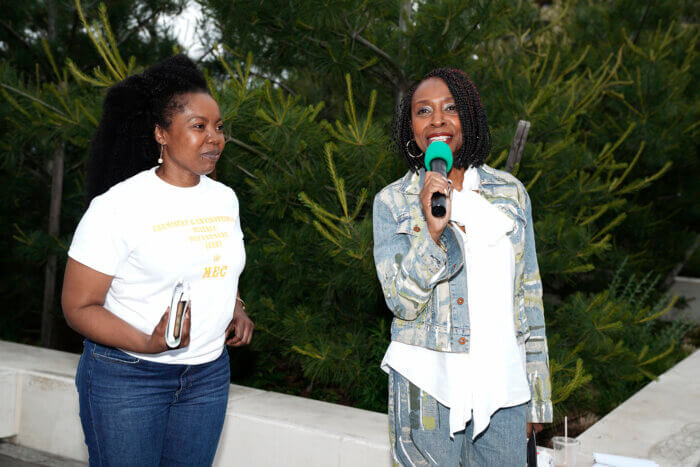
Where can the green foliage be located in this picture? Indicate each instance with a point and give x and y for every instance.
(29, 27)
(38, 119)
(299, 215)
(609, 344)
(307, 90)
(659, 41)
(43, 110)
(583, 177)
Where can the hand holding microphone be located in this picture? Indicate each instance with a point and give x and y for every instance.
(438, 162)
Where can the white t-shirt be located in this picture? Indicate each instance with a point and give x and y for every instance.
(149, 234)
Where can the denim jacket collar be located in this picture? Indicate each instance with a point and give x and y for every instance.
(488, 180)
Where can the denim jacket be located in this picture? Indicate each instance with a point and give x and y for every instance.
(425, 284)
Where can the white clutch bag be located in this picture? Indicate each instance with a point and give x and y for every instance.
(178, 305)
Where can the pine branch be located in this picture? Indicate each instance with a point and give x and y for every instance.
(641, 23)
(32, 98)
(274, 81)
(355, 35)
(140, 24)
(237, 142)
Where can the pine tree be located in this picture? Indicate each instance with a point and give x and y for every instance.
(529, 63)
(47, 122)
(307, 94)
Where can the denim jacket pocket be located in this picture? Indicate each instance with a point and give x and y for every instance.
(404, 224)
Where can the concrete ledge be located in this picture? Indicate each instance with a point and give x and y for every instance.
(688, 287)
(262, 428)
(39, 410)
(661, 422)
(8, 392)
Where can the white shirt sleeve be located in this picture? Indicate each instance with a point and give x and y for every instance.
(99, 241)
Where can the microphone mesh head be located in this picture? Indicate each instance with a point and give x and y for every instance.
(438, 150)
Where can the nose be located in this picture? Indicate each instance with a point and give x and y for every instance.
(214, 138)
(437, 119)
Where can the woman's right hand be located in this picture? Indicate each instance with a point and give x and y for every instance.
(155, 343)
(433, 183)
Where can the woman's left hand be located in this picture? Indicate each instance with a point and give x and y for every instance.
(241, 326)
(537, 426)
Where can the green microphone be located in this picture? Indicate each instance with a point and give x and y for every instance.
(438, 158)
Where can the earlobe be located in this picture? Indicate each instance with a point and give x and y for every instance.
(158, 135)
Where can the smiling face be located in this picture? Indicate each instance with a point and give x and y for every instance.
(434, 115)
(194, 139)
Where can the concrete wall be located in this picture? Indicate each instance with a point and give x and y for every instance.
(39, 410)
(661, 422)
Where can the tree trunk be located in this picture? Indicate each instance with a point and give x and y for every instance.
(47, 315)
(51, 14)
(517, 146)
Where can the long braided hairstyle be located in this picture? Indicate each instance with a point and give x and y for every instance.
(124, 143)
(476, 136)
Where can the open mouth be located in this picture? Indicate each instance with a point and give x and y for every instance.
(444, 137)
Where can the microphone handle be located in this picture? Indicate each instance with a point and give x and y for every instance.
(438, 202)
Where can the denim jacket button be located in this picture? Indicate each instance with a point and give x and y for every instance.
(460, 300)
(416, 229)
(462, 340)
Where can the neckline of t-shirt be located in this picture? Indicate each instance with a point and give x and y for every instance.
(177, 189)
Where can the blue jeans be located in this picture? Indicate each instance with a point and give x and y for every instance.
(420, 432)
(140, 413)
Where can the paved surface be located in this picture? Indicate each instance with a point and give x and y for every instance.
(12, 455)
(6, 461)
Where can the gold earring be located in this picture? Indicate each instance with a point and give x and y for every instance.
(160, 157)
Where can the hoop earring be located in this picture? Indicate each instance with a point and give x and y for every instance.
(408, 151)
(160, 156)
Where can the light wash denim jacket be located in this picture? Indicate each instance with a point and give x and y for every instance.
(425, 284)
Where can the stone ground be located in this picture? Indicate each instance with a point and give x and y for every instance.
(12, 455)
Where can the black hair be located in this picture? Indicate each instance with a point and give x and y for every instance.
(476, 137)
(124, 143)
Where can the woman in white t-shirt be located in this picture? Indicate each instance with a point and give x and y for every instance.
(148, 227)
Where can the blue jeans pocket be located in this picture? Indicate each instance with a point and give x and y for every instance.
(110, 355)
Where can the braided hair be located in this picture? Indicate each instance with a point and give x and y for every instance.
(476, 136)
(124, 143)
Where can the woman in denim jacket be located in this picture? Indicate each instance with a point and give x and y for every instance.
(468, 364)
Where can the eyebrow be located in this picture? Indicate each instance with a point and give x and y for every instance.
(195, 117)
(428, 101)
